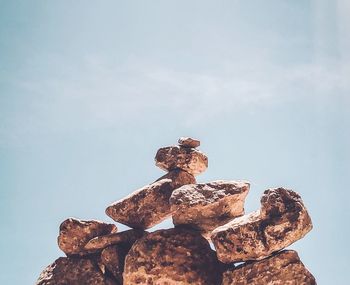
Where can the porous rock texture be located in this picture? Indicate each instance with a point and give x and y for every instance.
(188, 159)
(282, 220)
(280, 269)
(206, 206)
(174, 256)
(113, 258)
(189, 142)
(74, 234)
(149, 205)
(74, 271)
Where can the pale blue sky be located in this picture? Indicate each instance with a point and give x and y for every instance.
(89, 90)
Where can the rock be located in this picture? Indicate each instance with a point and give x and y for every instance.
(113, 258)
(74, 234)
(173, 256)
(149, 205)
(206, 206)
(282, 220)
(188, 159)
(189, 142)
(126, 238)
(74, 271)
(282, 268)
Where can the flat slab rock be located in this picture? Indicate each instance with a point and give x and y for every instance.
(149, 205)
(206, 206)
(282, 268)
(188, 159)
(173, 256)
(74, 234)
(189, 142)
(282, 220)
(74, 271)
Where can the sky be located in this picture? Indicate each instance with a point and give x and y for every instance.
(89, 90)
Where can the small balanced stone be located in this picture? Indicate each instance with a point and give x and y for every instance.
(173, 257)
(74, 271)
(282, 268)
(74, 234)
(189, 142)
(176, 157)
(149, 205)
(206, 206)
(282, 220)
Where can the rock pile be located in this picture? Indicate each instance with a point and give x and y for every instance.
(97, 254)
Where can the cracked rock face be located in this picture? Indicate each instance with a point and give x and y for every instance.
(173, 256)
(206, 206)
(188, 159)
(282, 268)
(74, 271)
(74, 234)
(282, 220)
(149, 205)
(189, 142)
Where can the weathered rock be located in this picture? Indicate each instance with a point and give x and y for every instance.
(126, 238)
(173, 256)
(149, 205)
(282, 220)
(74, 271)
(74, 234)
(188, 159)
(113, 258)
(206, 206)
(282, 268)
(189, 142)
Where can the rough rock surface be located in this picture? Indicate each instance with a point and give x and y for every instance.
(113, 258)
(74, 234)
(173, 256)
(126, 238)
(282, 268)
(282, 220)
(149, 205)
(188, 159)
(207, 206)
(74, 271)
(189, 142)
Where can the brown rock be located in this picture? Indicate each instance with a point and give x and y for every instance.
(74, 234)
(113, 258)
(126, 238)
(188, 159)
(282, 220)
(149, 205)
(74, 271)
(173, 256)
(282, 268)
(206, 206)
(189, 142)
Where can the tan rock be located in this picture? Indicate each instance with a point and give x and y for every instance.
(126, 237)
(282, 268)
(188, 159)
(149, 205)
(113, 258)
(173, 256)
(206, 206)
(74, 271)
(282, 220)
(74, 234)
(189, 142)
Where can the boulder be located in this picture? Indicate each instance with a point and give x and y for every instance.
(188, 159)
(282, 268)
(189, 142)
(173, 257)
(113, 258)
(149, 205)
(282, 220)
(74, 234)
(206, 206)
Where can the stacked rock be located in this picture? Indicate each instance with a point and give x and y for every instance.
(96, 253)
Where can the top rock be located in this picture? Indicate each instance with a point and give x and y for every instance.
(189, 142)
